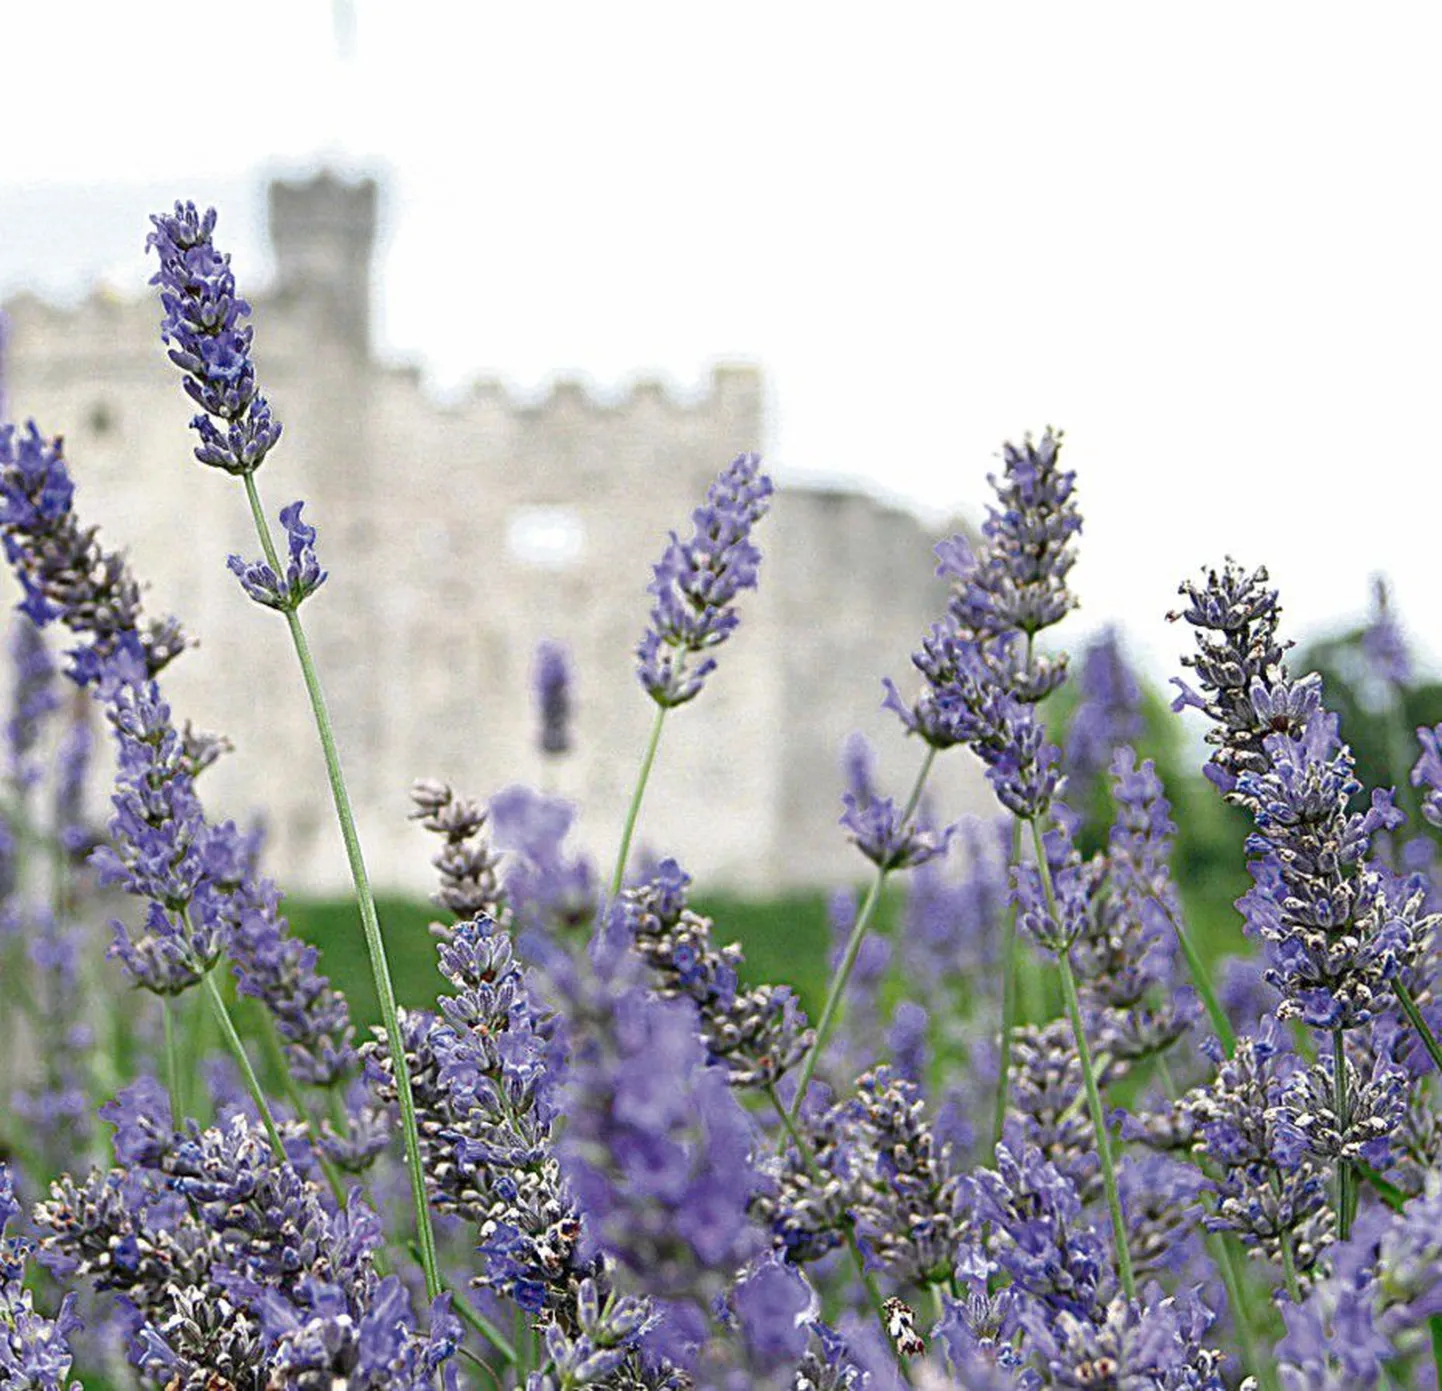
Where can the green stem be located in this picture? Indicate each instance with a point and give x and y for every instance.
(172, 1063)
(1221, 1243)
(276, 1053)
(633, 812)
(242, 1059)
(1414, 1017)
(1346, 1200)
(477, 1320)
(1389, 1193)
(1098, 1119)
(868, 1280)
(1094, 1099)
(1221, 1025)
(853, 945)
(1434, 1325)
(365, 901)
(1009, 990)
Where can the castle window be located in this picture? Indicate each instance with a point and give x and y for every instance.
(550, 538)
(101, 418)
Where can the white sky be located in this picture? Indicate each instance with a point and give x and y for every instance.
(1202, 240)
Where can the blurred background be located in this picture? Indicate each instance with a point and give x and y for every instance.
(1201, 242)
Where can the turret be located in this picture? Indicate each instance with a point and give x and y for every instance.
(323, 231)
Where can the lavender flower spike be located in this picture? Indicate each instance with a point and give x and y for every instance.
(553, 697)
(696, 583)
(34, 1350)
(203, 320)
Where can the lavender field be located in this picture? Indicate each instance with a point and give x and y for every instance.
(1034, 1127)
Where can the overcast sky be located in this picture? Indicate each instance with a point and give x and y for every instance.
(1202, 240)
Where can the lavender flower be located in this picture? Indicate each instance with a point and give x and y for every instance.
(951, 928)
(607, 1335)
(470, 871)
(1125, 955)
(1375, 1109)
(204, 321)
(552, 680)
(1046, 1110)
(1384, 644)
(303, 575)
(906, 1204)
(163, 849)
(1341, 933)
(33, 698)
(1057, 924)
(807, 1206)
(657, 1150)
(548, 888)
(1108, 713)
(1269, 1191)
(61, 566)
(1156, 1346)
(56, 1107)
(1019, 582)
(72, 763)
(696, 583)
(34, 1350)
(889, 840)
(278, 968)
(1236, 618)
(483, 1082)
(1041, 1238)
(757, 1035)
(1427, 773)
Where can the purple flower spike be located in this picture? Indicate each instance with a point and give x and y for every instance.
(553, 697)
(34, 1350)
(657, 1150)
(163, 848)
(697, 582)
(1427, 773)
(63, 569)
(303, 575)
(211, 343)
(1109, 712)
(878, 830)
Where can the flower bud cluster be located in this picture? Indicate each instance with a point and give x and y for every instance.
(303, 575)
(470, 871)
(906, 1202)
(235, 1267)
(1236, 617)
(807, 1205)
(757, 1035)
(34, 1350)
(696, 583)
(1270, 1191)
(1341, 931)
(61, 566)
(204, 321)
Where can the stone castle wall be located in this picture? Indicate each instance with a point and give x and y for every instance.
(456, 538)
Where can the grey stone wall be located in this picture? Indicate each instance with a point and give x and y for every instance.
(456, 538)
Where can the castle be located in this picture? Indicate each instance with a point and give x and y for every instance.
(459, 536)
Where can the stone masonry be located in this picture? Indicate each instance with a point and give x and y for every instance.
(456, 538)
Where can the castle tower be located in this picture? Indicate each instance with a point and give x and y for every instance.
(323, 231)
